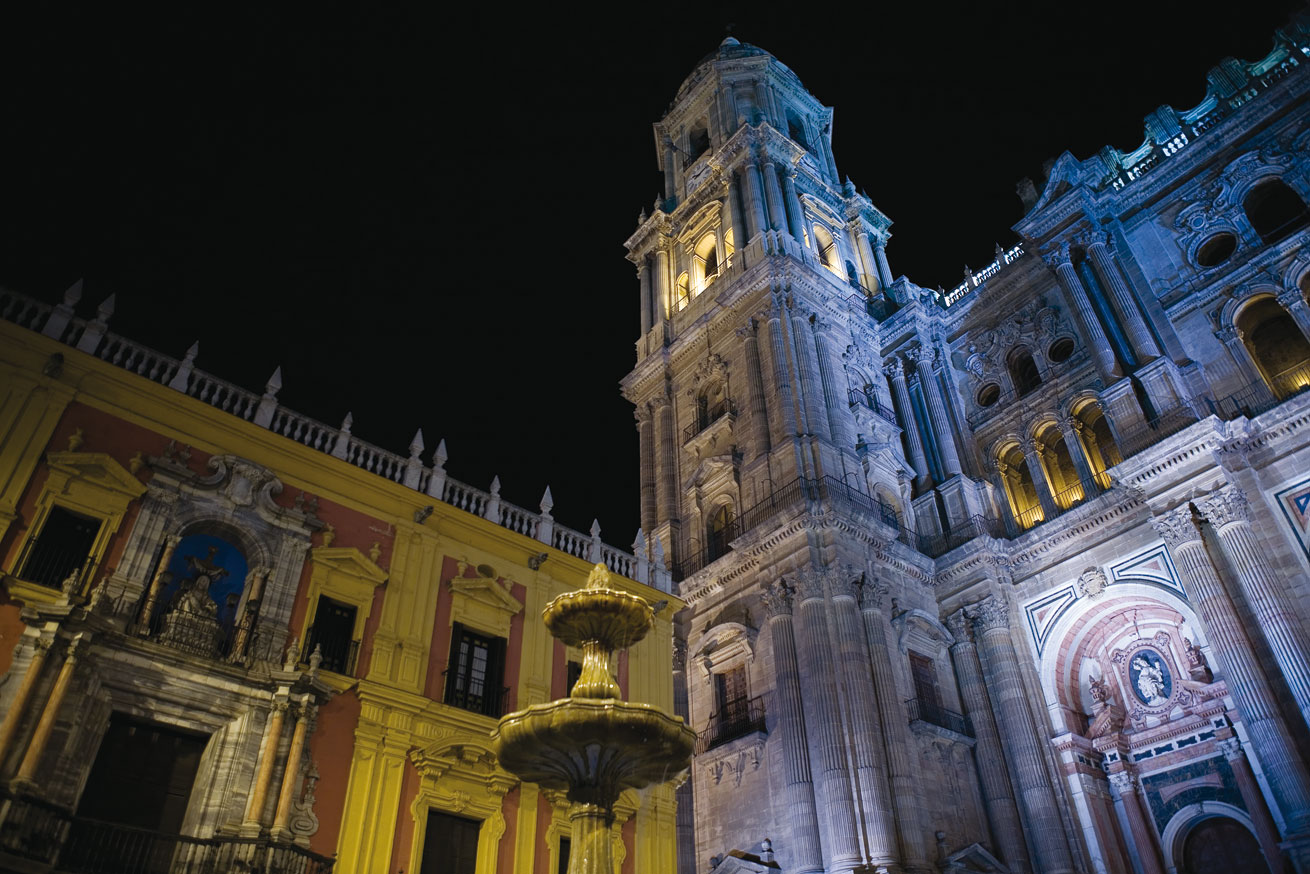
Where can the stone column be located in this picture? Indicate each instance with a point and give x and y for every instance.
(806, 856)
(880, 258)
(291, 773)
(777, 212)
(728, 217)
(1265, 830)
(832, 375)
(157, 583)
(1032, 454)
(27, 769)
(665, 474)
(910, 828)
(807, 376)
(896, 374)
(647, 305)
(1097, 342)
(756, 220)
(670, 169)
(796, 215)
(663, 300)
(1069, 429)
(647, 448)
(1007, 828)
(1019, 736)
(40, 646)
(823, 724)
(1283, 767)
(1126, 786)
(264, 770)
(1293, 301)
(867, 261)
(1134, 325)
(755, 389)
(1230, 514)
(866, 723)
(784, 424)
(1234, 341)
(941, 422)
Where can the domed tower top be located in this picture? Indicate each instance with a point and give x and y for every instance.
(735, 86)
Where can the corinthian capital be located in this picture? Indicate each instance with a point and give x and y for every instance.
(1225, 506)
(1060, 253)
(809, 584)
(777, 598)
(990, 613)
(1176, 527)
(873, 594)
(958, 623)
(1124, 783)
(894, 368)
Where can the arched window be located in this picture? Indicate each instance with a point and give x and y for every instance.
(826, 248)
(1019, 487)
(1097, 442)
(698, 141)
(682, 295)
(719, 531)
(707, 260)
(796, 130)
(1276, 345)
(1023, 371)
(1058, 465)
(711, 403)
(1275, 210)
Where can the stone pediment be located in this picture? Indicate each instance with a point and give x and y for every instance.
(737, 862)
(974, 858)
(711, 469)
(484, 603)
(350, 561)
(724, 645)
(98, 469)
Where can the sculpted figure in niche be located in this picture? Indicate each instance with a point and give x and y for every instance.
(1150, 679)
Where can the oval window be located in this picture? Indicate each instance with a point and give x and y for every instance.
(989, 394)
(1216, 250)
(1060, 350)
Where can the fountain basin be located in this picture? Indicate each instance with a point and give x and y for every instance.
(593, 748)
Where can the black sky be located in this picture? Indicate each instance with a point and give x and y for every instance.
(420, 216)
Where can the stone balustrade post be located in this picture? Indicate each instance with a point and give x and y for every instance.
(1019, 735)
(1283, 766)
(895, 371)
(823, 723)
(1002, 813)
(1128, 788)
(1229, 512)
(806, 856)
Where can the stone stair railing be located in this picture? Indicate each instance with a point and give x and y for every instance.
(94, 338)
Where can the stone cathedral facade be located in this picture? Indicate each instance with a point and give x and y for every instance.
(1005, 577)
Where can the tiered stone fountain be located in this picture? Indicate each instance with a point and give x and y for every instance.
(593, 744)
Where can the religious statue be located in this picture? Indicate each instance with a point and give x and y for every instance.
(1150, 681)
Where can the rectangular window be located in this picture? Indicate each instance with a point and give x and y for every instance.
(61, 549)
(924, 674)
(475, 674)
(731, 691)
(332, 634)
(565, 845)
(450, 845)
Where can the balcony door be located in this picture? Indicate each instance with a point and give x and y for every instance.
(450, 845)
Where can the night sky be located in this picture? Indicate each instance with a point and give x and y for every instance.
(420, 217)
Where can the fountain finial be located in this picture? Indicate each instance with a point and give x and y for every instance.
(599, 577)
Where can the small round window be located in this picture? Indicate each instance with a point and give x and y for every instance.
(989, 394)
(1216, 250)
(1060, 350)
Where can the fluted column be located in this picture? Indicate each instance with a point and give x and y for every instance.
(264, 771)
(784, 424)
(866, 724)
(896, 374)
(867, 261)
(1125, 783)
(756, 220)
(806, 855)
(1072, 431)
(1134, 325)
(1283, 767)
(1292, 300)
(777, 212)
(728, 216)
(670, 169)
(755, 389)
(807, 373)
(157, 584)
(795, 214)
(40, 646)
(1019, 736)
(1265, 830)
(291, 773)
(1097, 342)
(1002, 813)
(880, 258)
(833, 377)
(647, 449)
(1230, 514)
(665, 474)
(1032, 455)
(941, 422)
(911, 832)
(49, 715)
(647, 305)
(823, 724)
(663, 300)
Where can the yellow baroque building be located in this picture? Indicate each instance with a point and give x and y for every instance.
(234, 635)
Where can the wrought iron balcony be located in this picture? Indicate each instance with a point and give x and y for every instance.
(736, 719)
(488, 701)
(36, 835)
(931, 712)
(869, 400)
(706, 418)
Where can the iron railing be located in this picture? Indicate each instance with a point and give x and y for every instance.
(736, 719)
(488, 702)
(869, 399)
(935, 545)
(1169, 422)
(922, 710)
(197, 632)
(706, 418)
(340, 654)
(47, 837)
